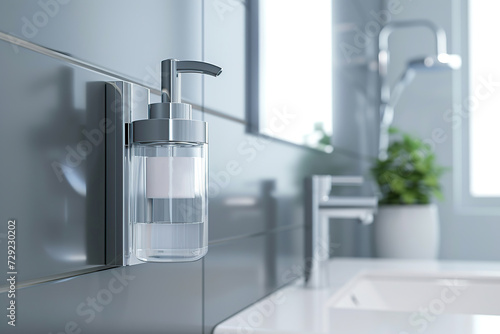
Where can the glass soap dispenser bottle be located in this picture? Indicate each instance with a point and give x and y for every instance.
(169, 174)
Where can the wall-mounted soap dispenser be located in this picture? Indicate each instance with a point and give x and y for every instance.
(165, 172)
(169, 173)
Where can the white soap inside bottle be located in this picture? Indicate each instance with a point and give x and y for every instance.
(169, 198)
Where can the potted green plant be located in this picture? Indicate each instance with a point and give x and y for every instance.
(407, 224)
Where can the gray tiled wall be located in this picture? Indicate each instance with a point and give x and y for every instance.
(256, 212)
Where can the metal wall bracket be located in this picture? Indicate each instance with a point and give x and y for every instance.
(125, 103)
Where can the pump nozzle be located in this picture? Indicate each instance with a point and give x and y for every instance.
(171, 78)
(171, 120)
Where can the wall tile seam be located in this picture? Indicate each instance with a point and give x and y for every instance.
(277, 230)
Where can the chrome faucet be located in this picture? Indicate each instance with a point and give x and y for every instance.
(328, 197)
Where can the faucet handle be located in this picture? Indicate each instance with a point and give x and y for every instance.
(347, 180)
(326, 182)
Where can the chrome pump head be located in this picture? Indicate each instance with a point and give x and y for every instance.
(171, 120)
(171, 70)
(171, 105)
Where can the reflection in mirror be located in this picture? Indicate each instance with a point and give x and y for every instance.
(291, 71)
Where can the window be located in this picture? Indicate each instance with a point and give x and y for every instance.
(484, 98)
(295, 69)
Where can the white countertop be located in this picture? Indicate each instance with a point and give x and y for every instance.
(295, 309)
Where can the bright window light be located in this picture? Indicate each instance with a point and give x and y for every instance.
(485, 324)
(296, 67)
(484, 98)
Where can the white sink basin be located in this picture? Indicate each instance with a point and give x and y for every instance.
(434, 303)
(382, 296)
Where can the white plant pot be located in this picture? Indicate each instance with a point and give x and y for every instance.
(407, 231)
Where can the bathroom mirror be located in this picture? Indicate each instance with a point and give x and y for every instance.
(290, 71)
